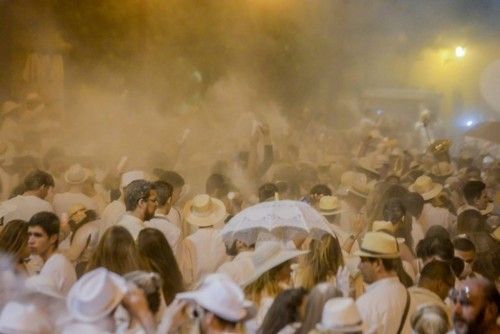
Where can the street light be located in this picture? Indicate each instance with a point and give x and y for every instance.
(460, 51)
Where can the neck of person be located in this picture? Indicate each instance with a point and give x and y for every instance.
(35, 193)
(45, 256)
(137, 214)
(385, 274)
(164, 210)
(75, 188)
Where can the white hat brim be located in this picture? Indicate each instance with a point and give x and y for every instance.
(436, 189)
(85, 178)
(217, 216)
(362, 253)
(283, 256)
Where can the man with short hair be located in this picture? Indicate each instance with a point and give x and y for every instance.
(160, 220)
(43, 239)
(179, 185)
(386, 305)
(466, 251)
(140, 202)
(475, 196)
(476, 307)
(37, 185)
(436, 280)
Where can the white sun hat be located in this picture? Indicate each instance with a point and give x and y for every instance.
(76, 174)
(329, 206)
(129, 177)
(426, 187)
(220, 295)
(340, 315)
(204, 211)
(22, 318)
(270, 254)
(378, 245)
(95, 295)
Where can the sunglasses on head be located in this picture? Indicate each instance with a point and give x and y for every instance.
(461, 296)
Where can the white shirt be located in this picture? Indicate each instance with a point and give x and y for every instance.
(382, 306)
(63, 202)
(201, 253)
(169, 230)
(60, 271)
(417, 232)
(27, 206)
(133, 224)
(432, 215)
(240, 268)
(111, 215)
(421, 296)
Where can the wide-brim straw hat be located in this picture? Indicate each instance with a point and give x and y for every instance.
(95, 295)
(221, 296)
(76, 174)
(378, 245)
(385, 226)
(204, 211)
(496, 234)
(442, 169)
(268, 255)
(354, 183)
(368, 164)
(340, 315)
(329, 206)
(489, 208)
(426, 187)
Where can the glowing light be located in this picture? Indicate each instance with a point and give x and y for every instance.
(460, 52)
(469, 123)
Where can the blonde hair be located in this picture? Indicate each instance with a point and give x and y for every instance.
(266, 285)
(321, 263)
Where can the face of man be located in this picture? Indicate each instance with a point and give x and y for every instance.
(367, 269)
(393, 213)
(39, 242)
(150, 205)
(469, 308)
(468, 257)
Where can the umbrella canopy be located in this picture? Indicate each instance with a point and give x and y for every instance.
(285, 220)
(489, 131)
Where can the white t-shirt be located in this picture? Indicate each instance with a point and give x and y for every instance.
(133, 224)
(60, 271)
(111, 215)
(171, 232)
(27, 206)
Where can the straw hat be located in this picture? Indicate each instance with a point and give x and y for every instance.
(268, 255)
(378, 245)
(382, 225)
(329, 206)
(425, 187)
(95, 295)
(489, 208)
(75, 208)
(129, 177)
(221, 296)
(204, 211)
(496, 233)
(340, 315)
(76, 174)
(19, 318)
(442, 169)
(369, 164)
(355, 183)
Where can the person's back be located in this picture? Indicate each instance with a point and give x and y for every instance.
(63, 201)
(111, 215)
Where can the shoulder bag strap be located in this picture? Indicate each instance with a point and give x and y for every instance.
(405, 313)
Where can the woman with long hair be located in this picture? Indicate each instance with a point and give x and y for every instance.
(284, 312)
(155, 248)
(117, 252)
(84, 236)
(320, 264)
(14, 242)
(316, 300)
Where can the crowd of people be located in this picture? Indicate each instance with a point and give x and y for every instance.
(413, 240)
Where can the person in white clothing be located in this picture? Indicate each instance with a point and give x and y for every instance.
(43, 239)
(79, 179)
(115, 210)
(203, 251)
(386, 305)
(160, 220)
(37, 186)
(180, 188)
(476, 197)
(436, 280)
(241, 266)
(141, 202)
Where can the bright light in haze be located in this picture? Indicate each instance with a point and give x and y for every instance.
(460, 51)
(469, 123)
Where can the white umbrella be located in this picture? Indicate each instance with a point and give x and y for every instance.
(286, 220)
